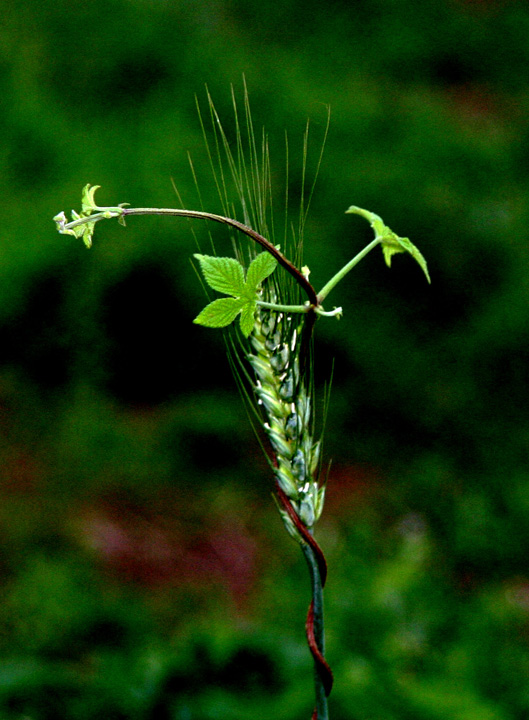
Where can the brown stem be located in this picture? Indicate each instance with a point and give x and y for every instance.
(302, 281)
(314, 630)
(250, 232)
(303, 531)
(322, 665)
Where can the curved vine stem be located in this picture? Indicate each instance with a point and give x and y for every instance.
(300, 278)
(323, 678)
(314, 626)
(241, 227)
(82, 226)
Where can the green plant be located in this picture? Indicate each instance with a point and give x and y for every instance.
(271, 347)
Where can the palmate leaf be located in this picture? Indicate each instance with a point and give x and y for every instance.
(226, 275)
(223, 274)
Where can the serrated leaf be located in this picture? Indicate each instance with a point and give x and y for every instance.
(221, 312)
(223, 274)
(260, 268)
(392, 244)
(248, 318)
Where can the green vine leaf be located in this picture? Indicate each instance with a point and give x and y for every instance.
(85, 231)
(248, 318)
(88, 202)
(392, 244)
(221, 312)
(260, 268)
(390, 241)
(226, 275)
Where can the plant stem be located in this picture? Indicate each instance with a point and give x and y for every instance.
(250, 232)
(299, 309)
(316, 615)
(346, 268)
(283, 308)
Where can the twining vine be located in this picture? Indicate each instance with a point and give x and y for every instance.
(275, 350)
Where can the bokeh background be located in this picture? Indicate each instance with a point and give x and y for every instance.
(144, 571)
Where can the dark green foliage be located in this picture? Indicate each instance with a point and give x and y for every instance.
(141, 575)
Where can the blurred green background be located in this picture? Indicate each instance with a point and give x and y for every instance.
(144, 571)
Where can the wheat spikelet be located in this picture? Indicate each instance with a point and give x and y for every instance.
(287, 406)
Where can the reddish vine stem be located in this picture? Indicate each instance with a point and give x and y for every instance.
(295, 272)
(312, 551)
(323, 667)
(305, 534)
(315, 557)
(246, 230)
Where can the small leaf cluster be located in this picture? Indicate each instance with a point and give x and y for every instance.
(226, 275)
(390, 241)
(79, 227)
